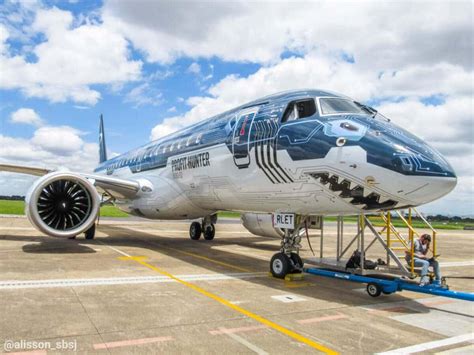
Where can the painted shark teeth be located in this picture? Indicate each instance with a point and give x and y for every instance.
(352, 192)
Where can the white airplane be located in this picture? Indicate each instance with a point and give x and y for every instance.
(280, 160)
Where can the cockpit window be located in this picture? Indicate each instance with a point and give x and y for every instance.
(335, 105)
(299, 109)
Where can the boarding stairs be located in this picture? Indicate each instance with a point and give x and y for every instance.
(400, 244)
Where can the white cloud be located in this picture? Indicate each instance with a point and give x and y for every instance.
(386, 33)
(62, 140)
(26, 152)
(317, 70)
(69, 61)
(194, 68)
(26, 116)
(144, 94)
(50, 147)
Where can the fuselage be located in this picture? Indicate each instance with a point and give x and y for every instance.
(309, 152)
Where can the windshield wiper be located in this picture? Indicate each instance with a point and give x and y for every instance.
(370, 110)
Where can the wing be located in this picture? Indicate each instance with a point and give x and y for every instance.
(24, 169)
(115, 187)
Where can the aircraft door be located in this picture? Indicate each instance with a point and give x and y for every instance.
(241, 139)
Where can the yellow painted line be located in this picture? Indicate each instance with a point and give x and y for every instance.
(241, 310)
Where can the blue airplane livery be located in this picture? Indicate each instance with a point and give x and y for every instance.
(296, 156)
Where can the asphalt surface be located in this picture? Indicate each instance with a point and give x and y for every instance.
(143, 287)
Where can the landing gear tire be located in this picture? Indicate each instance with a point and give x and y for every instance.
(374, 290)
(90, 233)
(195, 231)
(209, 232)
(280, 265)
(297, 263)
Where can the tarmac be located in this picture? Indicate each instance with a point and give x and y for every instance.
(145, 287)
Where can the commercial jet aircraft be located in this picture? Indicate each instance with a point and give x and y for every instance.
(281, 160)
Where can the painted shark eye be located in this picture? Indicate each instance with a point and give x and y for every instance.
(341, 141)
(349, 126)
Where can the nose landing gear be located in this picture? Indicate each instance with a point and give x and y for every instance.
(288, 261)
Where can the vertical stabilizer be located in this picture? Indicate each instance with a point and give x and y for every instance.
(102, 148)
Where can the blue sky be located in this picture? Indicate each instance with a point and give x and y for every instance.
(154, 67)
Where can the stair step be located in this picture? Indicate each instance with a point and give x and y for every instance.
(399, 248)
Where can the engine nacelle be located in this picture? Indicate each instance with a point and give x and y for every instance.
(261, 224)
(62, 204)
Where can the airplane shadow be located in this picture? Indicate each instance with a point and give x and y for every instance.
(188, 251)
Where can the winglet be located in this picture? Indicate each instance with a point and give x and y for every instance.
(102, 148)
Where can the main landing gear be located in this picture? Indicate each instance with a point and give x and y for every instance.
(206, 228)
(288, 261)
(89, 234)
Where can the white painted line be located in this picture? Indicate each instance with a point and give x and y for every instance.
(154, 231)
(15, 284)
(289, 298)
(431, 345)
(18, 228)
(468, 349)
(456, 263)
(244, 342)
(115, 249)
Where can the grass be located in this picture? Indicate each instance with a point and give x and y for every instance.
(12, 207)
(18, 208)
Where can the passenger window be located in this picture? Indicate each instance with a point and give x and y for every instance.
(189, 141)
(299, 109)
(198, 139)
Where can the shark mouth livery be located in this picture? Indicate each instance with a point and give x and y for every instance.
(353, 193)
(300, 154)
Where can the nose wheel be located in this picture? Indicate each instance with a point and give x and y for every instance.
(288, 261)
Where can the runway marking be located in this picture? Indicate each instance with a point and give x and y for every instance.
(237, 330)
(241, 310)
(322, 319)
(456, 263)
(246, 343)
(153, 231)
(18, 228)
(29, 352)
(131, 342)
(431, 345)
(18, 284)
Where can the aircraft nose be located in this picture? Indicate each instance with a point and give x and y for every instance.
(425, 174)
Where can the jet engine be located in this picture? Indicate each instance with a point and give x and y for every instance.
(62, 204)
(261, 224)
